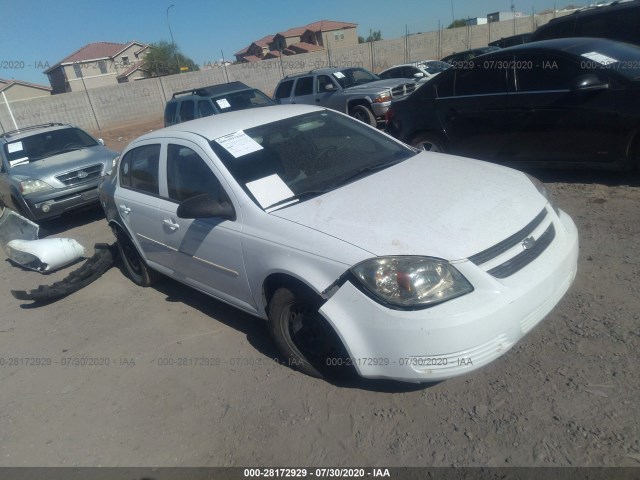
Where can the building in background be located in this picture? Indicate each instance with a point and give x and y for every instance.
(15, 90)
(316, 36)
(98, 64)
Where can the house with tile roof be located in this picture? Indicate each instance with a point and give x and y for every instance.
(316, 36)
(98, 64)
(15, 90)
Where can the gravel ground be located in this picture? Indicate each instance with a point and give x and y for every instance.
(566, 395)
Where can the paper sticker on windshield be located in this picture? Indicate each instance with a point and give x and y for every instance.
(238, 144)
(338, 74)
(269, 190)
(14, 147)
(600, 58)
(223, 103)
(18, 161)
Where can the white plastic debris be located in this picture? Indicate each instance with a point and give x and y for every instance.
(45, 255)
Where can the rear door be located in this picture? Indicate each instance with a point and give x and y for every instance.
(474, 112)
(137, 197)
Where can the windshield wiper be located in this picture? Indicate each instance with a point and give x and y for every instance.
(361, 172)
(298, 196)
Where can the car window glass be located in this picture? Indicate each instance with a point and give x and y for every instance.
(139, 169)
(188, 175)
(480, 80)
(170, 113)
(42, 145)
(623, 25)
(187, 111)
(284, 89)
(545, 72)
(304, 86)
(205, 109)
(561, 29)
(323, 81)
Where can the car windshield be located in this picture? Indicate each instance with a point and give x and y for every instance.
(354, 76)
(47, 144)
(240, 100)
(300, 157)
(621, 58)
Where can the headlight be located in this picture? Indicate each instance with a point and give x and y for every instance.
(382, 97)
(544, 192)
(33, 186)
(411, 282)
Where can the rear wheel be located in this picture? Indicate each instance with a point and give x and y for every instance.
(304, 336)
(135, 266)
(429, 142)
(362, 113)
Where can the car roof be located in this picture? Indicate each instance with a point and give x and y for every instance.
(320, 71)
(594, 10)
(31, 130)
(216, 126)
(576, 46)
(212, 90)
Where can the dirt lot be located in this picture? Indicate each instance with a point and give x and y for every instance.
(565, 395)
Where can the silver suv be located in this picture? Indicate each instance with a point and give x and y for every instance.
(354, 91)
(46, 170)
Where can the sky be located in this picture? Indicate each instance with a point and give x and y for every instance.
(36, 34)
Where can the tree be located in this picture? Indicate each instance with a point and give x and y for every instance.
(165, 58)
(460, 22)
(374, 37)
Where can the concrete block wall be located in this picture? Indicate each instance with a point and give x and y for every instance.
(144, 100)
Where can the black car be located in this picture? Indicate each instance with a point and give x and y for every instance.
(213, 100)
(617, 21)
(565, 102)
(461, 57)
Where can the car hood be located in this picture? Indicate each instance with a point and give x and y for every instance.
(432, 204)
(379, 85)
(64, 162)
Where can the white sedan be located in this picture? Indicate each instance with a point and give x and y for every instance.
(363, 254)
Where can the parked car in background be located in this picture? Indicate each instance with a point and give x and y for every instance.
(511, 41)
(616, 21)
(47, 170)
(307, 218)
(567, 103)
(203, 102)
(354, 91)
(461, 57)
(418, 71)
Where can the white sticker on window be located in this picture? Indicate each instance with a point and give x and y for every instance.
(14, 147)
(269, 190)
(599, 57)
(18, 161)
(238, 144)
(338, 74)
(223, 103)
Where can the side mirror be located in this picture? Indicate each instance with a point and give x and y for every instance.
(589, 82)
(205, 206)
(101, 142)
(329, 87)
(418, 75)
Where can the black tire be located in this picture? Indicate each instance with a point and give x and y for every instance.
(304, 337)
(362, 113)
(429, 142)
(135, 266)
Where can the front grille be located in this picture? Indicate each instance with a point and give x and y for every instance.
(402, 90)
(526, 257)
(512, 241)
(81, 175)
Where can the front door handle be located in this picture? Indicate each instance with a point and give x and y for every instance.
(169, 223)
(124, 209)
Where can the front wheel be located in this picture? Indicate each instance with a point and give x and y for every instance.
(428, 142)
(304, 336)
(362, 113)
(135, 266)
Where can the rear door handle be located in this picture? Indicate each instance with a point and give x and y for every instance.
(124, 209)
(169, 223)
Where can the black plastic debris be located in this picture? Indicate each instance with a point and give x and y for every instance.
(101, 261)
